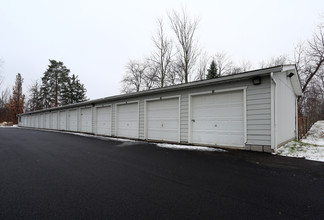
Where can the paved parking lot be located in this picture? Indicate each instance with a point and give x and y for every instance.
(50, 175)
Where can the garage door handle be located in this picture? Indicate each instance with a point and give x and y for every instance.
(193, 120)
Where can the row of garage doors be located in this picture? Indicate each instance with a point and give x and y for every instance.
(212, 119)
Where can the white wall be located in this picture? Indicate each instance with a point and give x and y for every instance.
(285, 109)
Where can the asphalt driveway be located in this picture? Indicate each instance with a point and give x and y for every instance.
(50, 175)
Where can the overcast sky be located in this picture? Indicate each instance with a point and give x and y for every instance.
(95, 39)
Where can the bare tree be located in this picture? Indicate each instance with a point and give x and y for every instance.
(151, 78)
(202, 67)
(176, 75)
(185, 28)
(243, 67)
(315, 54)
(161, 56)
(1, 77)
(309, 59)
(5, 98)
(275, 61)
(34, 102)
(133, 79)
(223, 63)
(246, 65)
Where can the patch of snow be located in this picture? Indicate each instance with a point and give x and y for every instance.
(310, 148)
(189, 147)
(315, 135)
(103, 137)
(5, 126)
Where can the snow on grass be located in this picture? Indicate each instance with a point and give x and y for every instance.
(189, 147)
(315, 135)
(310, 148)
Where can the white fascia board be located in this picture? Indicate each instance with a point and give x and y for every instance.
(295, 81)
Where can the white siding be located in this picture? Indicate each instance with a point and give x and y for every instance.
(285, 109)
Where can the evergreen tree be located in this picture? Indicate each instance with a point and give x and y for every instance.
(212, 71)
(54, 81)
(17, 100)
(74, 91)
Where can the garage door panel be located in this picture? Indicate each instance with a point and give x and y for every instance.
(73, 117)
(127, 120)
(42, 121)
(219, 110)
(127, 124)
(158, 134)
(163, 120)
(86, 120)
(54, 120)
(223, 138)
(104, 120)
(62, 120)
(218, 119)
(36, 121)
(47, 120)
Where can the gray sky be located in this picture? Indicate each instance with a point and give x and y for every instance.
(96, 38)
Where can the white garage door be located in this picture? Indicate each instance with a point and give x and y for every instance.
(54, 120)
(47, 120)
(127, 120)
(42, 121)
(73, 120)
(29, 121)
(36, 121)
(62, 119)
(162, 120)
(86, 120)
(104, 121)
(218, 119)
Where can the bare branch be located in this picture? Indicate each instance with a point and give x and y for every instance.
(185, 29)
(161, 57)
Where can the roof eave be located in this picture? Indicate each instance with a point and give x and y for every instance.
(239, 76)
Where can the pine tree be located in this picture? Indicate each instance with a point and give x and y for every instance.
(74, 91)
(212, 71)
(54, 81)
(17, 100)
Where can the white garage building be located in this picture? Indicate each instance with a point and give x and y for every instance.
(255, 110)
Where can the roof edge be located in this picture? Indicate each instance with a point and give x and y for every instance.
(238, 76)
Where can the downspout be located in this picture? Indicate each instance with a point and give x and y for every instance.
(273, 113)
